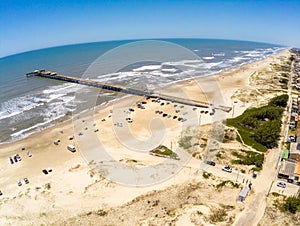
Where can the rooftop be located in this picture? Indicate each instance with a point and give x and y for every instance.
(287, 168)
(244, 191)
(294, 149)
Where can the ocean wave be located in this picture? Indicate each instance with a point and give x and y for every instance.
(148, 68)
(23, 131)
(18, 106)
(64, 87)
(172, 70)
(208, 58)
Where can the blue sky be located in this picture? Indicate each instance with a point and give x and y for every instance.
(29, 24)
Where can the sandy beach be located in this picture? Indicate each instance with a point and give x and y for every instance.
(74, 192)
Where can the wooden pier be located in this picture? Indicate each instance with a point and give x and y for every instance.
(122, 89)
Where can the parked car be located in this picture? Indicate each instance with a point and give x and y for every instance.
(211, 163)
(11, 160)
(19, 183)
(29, 154)
(15, 158)
(18, 157)
(227, 169)
(281, 184)
(45, 171)
(254, 175)
(1, 193)
(71, 148)
(292, 139)
(26, 180)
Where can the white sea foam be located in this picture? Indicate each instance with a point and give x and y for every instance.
(208, 58)
(172, 70)
(148, 68)
(55, 96)
(18, 106)
(64, 87)
(34, 127)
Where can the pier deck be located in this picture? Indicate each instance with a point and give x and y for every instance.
(122, 89)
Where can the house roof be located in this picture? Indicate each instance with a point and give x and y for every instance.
(298, 130)
(285, 154)
(294, 148)
(287, 168)
(297, 169)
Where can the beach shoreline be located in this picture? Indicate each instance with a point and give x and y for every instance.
(73, 182)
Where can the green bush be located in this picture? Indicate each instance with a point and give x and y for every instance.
(291, 204)
(260, 127)
(185, 142)
(206, 175)
(223, 183)
(249, 158)
(279, 101)
(217, 215)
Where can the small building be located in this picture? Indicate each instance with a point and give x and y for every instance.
(295, 151)
(287, 169)
(297, 173)
(243, 194)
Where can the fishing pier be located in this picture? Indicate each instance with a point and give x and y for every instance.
(122, 89)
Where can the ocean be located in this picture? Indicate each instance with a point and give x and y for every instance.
(28, 105)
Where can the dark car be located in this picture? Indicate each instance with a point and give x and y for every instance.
(26, 180)
(15, 158)
(1, 193)
(11, 160)
(45, 171)
(211, 163)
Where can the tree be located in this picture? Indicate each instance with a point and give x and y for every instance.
(279, 101)
(268, 133)
(291, 204)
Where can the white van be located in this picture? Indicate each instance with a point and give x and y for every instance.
(71, 148)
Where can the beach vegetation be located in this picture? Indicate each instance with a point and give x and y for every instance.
(185, 142)
(164, 151)
(223, 183)
(279, 101)
(249, 158)
(290, 204)
(206, 175)
(218, 215)
(260, 127)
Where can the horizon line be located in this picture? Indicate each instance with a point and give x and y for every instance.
(140, 39)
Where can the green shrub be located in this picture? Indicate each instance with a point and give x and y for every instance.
(206, 175)
(217, 215)
(279, 101)
(223, 183)
(260, 127)
(185, 142)
(291, 204)
(249, 158)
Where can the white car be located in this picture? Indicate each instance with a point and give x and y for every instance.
(19, 183)
(227, 169)
(281, 184)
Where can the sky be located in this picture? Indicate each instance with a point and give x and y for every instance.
(30, 24)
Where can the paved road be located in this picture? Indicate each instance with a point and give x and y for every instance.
(266, 181)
